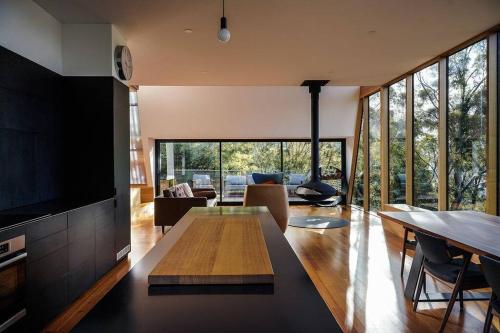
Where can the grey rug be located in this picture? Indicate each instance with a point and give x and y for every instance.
(317, 222)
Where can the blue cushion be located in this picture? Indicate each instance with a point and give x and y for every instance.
(268, 178)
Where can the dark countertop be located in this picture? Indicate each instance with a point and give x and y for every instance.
(26, 214)
(292, 305)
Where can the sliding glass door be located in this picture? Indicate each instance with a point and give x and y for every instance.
(227, 166)
(241, 159)
(195, 163)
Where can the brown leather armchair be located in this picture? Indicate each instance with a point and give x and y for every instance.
(168, 210)
(273, 196)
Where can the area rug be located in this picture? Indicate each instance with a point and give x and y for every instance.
(317, 222)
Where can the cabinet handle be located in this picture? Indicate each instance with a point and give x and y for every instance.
(13, 260)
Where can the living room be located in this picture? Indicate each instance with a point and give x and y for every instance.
(216, 166)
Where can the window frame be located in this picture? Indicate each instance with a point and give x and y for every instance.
(222, 202)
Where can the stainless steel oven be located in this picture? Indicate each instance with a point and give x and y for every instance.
(12, 281)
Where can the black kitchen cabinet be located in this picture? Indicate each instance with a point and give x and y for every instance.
(81, 251)
(98, 147)
(45, 227)
(104, 237)
(67, 253)
(64, 154)
(47, 287)
(46, 268)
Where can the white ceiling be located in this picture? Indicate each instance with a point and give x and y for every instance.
(282, 42)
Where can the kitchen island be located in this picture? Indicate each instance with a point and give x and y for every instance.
(292, 304)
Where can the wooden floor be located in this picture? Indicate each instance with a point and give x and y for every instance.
(356, 270)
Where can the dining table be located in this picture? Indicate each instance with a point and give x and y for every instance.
(291, 303)
(475, 232)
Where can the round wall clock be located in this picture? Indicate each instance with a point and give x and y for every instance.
(123, 62)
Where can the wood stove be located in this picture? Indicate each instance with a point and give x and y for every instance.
(315, 190)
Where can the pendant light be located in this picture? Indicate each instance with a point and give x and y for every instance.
(224, 35)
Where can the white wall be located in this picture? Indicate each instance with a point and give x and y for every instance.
(28, 30)
(67, 49)
(242, 113)
(86, 49)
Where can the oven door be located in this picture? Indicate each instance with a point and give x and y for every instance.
(12, 289)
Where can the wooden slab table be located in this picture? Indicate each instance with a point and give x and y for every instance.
(217, 250)
(475, 232)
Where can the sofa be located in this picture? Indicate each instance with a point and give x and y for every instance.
(178, 200)
(235, 185)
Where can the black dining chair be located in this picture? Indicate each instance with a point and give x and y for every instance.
(439, 262)
(408, 244)
(491, 270)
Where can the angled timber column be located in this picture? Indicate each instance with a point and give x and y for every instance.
(366, 156)
(357, 131)
(443, 136)
(492, 143)
(409, 140)
(384, 146)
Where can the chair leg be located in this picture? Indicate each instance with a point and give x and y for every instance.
(419, 288)
(454, 294)
(424, 283)
(163, 229)
(488, 319)
(461, 294)
(405, 239)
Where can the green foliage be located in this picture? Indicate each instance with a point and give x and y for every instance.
(425, 131)
(374, 151)
(243, 158)
(467, 127)
(358, 190)
(397, 142)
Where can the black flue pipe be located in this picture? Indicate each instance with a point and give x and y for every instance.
(314, 90)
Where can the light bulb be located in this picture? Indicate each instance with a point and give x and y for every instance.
(224, 35)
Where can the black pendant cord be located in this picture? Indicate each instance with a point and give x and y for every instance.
(223, 5)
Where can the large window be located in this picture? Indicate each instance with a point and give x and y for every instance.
(195, 163)
(241, 159)
(397, 142)
(467, 127)
(425, 131)
(227, 166)
(358, 190)
(374, 151)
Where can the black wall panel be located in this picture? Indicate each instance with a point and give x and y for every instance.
(89, 137)
(31, 156)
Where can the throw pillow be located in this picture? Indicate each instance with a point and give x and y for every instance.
(268, 178)
(187, 190)
(179, 191)
(168, 193)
